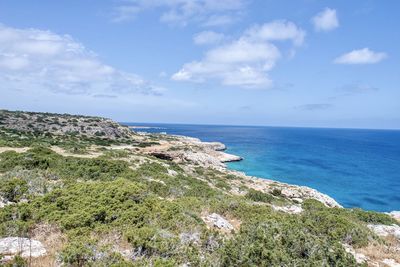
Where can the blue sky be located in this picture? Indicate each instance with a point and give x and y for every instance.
(244, 62)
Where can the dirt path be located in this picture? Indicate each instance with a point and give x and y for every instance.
(16, 149)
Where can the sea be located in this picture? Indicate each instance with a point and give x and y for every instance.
(357, 167)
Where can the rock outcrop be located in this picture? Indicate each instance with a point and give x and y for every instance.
(11, 246)
(385, 230)
(293, 209)
(216, 220)
(395, 214)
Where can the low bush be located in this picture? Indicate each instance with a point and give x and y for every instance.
(259, 196)
(13, 189)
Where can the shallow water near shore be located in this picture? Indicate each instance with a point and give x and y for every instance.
(357, 167)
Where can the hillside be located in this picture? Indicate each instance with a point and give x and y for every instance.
(87, 191)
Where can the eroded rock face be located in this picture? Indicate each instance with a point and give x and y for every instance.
(11, 246)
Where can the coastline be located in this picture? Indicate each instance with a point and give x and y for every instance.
(216, 157)
(357, 168)
(213, 155)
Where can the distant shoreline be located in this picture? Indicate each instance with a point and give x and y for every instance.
(144, 127)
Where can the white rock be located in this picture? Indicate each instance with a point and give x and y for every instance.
(304, 192)
(172, 172)
(218, 221)
(298, 200)
(190, 238)
(225, 157)
(4, 202)
(385, 230)
(293, 209)
(391, 263)
(11, 246)
(359, 257)
(395, 214)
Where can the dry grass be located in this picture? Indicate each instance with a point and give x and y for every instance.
(378, 251)
(63, 152)
(52, 239)
(117, 243)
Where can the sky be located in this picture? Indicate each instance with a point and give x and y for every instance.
(233, 62)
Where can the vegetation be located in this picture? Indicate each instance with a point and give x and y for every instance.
(159, 215)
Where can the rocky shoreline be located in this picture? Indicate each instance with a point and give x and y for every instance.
(212, 154)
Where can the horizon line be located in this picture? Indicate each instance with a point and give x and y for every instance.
(252, 125)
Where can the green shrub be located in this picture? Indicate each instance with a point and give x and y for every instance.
(335, 223)
(149, 241)
(13, 189)
(85, 205)
(277, 192)
(373, 217)
(282, 243)
(77, 253)
(258, 196)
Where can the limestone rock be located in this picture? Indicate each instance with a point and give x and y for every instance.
(304, 192)
(187, 238)
(218, 221)
(293, 209)
(172, 172)
(359, 257)
(385, 230)
(391, 263)
(395, 214)
(11, 246)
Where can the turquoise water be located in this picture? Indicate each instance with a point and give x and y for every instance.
(359, 168)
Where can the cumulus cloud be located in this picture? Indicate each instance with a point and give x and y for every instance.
(246, 61)
(326, 20)
(208, 37)
(182, 12)
(35, 59)
(276, 31)
(361, 56)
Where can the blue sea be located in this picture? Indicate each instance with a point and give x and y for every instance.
(357, 167)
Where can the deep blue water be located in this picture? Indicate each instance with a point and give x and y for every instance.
(359, 168)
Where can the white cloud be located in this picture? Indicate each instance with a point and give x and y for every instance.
(33, 59)
(246, 61)
(208, 37)
(181, 12)
(279, 30)
(361, 56)
(326, 20)
(220, 20)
